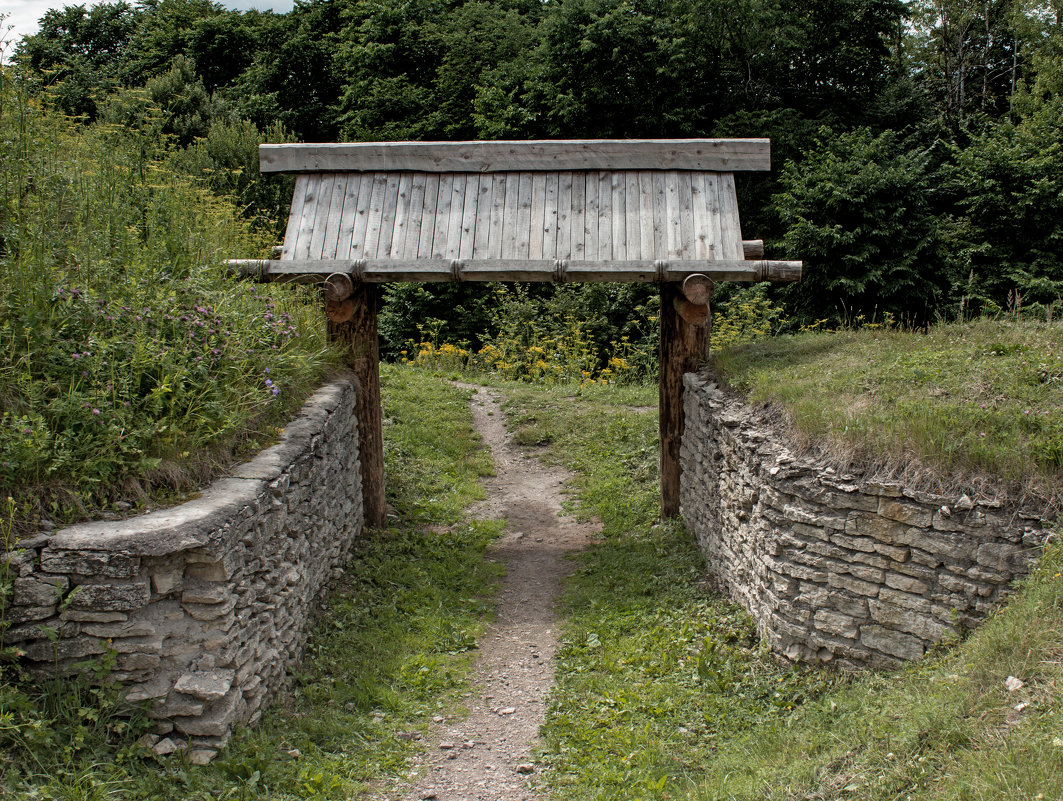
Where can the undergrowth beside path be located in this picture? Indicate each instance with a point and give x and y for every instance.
(390, 650)
(656, 671)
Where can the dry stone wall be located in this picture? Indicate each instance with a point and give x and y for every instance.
(834, 567)
(201, 607)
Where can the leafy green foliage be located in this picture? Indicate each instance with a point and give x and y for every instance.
(129, 360)
(856, 211)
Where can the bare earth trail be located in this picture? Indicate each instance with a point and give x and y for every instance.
(487, 756)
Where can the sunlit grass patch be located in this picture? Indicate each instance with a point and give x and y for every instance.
(982, 399)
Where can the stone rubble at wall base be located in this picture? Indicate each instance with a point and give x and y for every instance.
(835, 568)
(204, 606)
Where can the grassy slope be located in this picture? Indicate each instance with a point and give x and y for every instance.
(985, 398)
(392, 650)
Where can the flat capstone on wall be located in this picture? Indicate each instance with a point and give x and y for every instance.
(201, 607)
(834, 567)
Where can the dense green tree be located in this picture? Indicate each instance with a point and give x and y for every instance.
(856, 210)
(79, 53)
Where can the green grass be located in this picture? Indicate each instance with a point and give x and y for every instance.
(655, 671)
(131, 365)
(978, 399)
(390, 650)
(945, 728)
(663, 692)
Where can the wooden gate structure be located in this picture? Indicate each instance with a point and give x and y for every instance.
(661, 211)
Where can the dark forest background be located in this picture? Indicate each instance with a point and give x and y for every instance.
(917, 147)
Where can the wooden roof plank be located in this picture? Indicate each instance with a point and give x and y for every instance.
(524, 213)
(508, 245)
(467, 235)
(442, 224)
(484, 209)
(577, 227)
(375, 215)
(645, 181)
(731, 228)
(550, 217)
(590, 217)
(618, 188)
(538, 216)
(563, 247)
(295, 217)
(499, 193)
(389, 211)
(686, 227)
(605, 217)
(428, 217)
(721, 155)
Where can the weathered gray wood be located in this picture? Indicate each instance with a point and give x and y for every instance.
(428, 217)
(509, 216)
(325, 236)
(295, 217)
(753, 248)
(387, 217)
(446, 197)
(702, 228)
(345, 234)
(564, 216)
(306, 222)
(632, 237)
(468, 217)
(376, 215)
(578, 225)
(618, 187)
(673, 230)
(500, 186)
(731, 229)
(524, 215)
(550, 221)
(590, 218)
(645, 181)
(686, 216)
(605, 216)
(457, 215)
(724, 155)
(402, 216)
(537, 220)
(712, 208)
(365, 199)
(483, 210)
(542, 270)
(660, 213)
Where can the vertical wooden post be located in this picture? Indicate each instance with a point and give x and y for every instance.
(684, 348)
(358, 334)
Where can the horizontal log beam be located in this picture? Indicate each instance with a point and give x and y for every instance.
(712, 155)
(378, 271)
(753, 249)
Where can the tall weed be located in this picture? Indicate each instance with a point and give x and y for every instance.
(129, 360)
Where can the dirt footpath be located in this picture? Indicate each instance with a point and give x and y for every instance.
(487, 756)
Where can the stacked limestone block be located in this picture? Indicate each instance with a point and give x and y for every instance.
(202, 607)
(836, 567)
